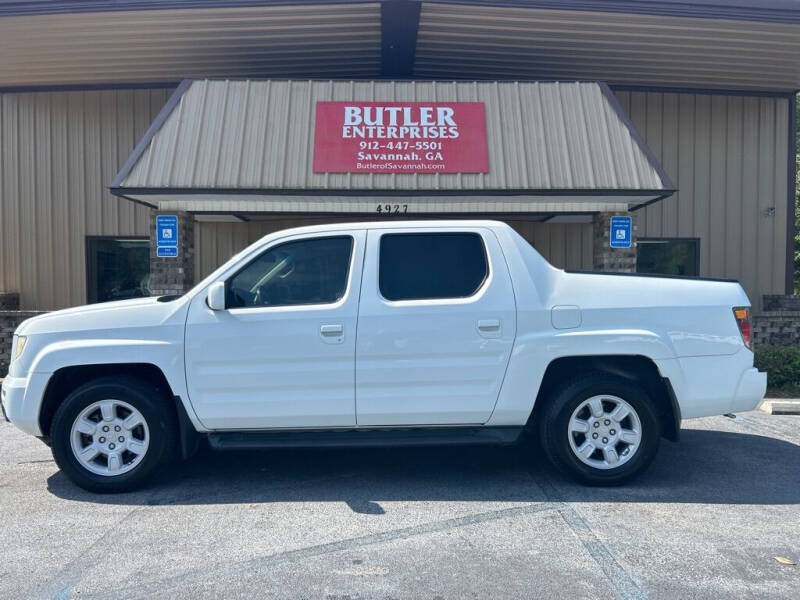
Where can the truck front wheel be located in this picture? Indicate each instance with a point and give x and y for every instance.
(112, 433)
(600, 429)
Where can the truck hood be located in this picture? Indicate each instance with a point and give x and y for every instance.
(120, 314)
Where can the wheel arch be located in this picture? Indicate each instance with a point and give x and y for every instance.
(67, 379)
(637, 368)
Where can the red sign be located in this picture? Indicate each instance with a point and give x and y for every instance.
(400, 137)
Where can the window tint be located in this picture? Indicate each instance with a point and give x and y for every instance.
(415, 266)
(667, 257)
(311, 271)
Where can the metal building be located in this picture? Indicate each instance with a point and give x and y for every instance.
(680, 116)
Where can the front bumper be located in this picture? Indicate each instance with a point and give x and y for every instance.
(21, 401)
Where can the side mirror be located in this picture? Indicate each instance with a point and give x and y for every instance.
(216, 296)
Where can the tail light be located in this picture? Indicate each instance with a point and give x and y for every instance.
(742, 315)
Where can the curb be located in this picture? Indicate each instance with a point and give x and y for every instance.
(780, 406)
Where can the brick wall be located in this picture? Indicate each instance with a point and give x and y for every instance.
(777, 328)
(779, 322)
(9, 301)
(774, 303)
(9, 321)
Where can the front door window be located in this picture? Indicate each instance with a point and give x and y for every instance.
(312, 271)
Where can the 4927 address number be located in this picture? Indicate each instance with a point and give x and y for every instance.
(392, 209)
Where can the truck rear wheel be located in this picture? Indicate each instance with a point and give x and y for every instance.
(600, 429)
(111, 434)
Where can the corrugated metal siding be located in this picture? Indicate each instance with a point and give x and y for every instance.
(342, 40)
(529, 43)
(58, 151)
(728, 157)
(566, 245)
(259, 135)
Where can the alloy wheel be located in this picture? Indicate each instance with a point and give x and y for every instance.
(604, 432)
(109, 437)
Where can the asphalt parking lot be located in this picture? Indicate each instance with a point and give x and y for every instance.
(706, 521)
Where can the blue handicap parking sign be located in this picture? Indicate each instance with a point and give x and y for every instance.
(166, 236)
(620, 232)
(167, 231)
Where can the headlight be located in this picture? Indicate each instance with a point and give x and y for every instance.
(19, 346)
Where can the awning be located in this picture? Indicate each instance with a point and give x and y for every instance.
(248, 146)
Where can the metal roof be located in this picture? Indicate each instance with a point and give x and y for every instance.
(250, 142)
(304, 40)
(779, 11)
(733, 44)
(490, 41)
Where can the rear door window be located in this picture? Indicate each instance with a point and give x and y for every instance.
(424, 266)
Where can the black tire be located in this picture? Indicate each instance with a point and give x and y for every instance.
(555, 436)
(161, 422)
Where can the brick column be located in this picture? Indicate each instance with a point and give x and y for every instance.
(9, 300)
(173, 275)
(606, 258)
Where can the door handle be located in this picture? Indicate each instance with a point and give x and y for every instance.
(489, 328)
(489, 325)
(332, 333)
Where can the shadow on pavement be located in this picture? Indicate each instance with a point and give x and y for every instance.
(709, 467)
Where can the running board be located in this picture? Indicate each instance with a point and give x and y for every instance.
(364, 438)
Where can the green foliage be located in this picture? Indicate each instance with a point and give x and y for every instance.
(782, 364)
(797, 204)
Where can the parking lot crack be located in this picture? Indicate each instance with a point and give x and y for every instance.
(623, 583)
(61, 585)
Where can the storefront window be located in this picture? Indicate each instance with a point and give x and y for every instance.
(117, 268)
(668, 256)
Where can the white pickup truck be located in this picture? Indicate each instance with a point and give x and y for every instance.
(390, 333)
